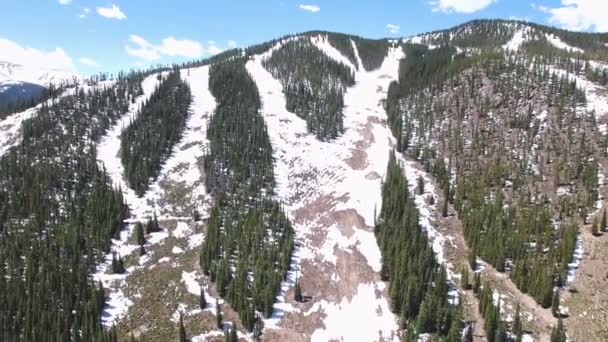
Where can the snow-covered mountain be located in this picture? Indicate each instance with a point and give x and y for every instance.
(12, 71)
(489, 138)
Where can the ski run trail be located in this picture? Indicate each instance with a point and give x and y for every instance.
(331, 192)
(182, 168)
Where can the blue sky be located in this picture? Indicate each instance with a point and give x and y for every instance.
(89, 36)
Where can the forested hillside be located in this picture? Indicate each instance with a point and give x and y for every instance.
(148, 140)
(512, 144)
(314, 85)
(57, 216)
(417, 284)
(249, 240)
(463, 199)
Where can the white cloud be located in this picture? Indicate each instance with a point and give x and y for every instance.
(176, 47)
(579, 15)
(85, 13)
(460, 6)
(88, 61)
(11, 51)
(112, 12)
(170, 46)
(310, 8)
(394, 29)
(65, 2)
(212, 48)
(232, 44)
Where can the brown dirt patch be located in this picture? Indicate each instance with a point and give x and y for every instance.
(372, 175)
(357, 159)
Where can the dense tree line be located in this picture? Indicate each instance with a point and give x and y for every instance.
(239, 159)
(249, 241)
(372, 52)
(314, 85)
(150, 137)
(418, 286)
(57, 217)
(344, 44)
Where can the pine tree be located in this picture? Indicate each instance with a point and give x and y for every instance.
(196, 216)
(604, 224)
(233, 333)
(258, 327)
(555, 304)
(595, 229)
(118, 266)
(202, 301)
(298, 292)
(150, 226)
(182, 329)
(464, 280)
(446, 196)
(218, 314)
(420, 185)
(559, 333)
(517, 325)
(139, 232)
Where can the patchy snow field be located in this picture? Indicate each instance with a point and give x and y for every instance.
(346, 175)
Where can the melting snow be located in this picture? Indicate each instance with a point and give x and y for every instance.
(577, 257)
(323, 44)
(517, 40)
(560, 44)
(348, 321)
(298, 153)
(187, 152)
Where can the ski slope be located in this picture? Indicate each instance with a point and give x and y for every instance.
(181, 167)
(307, 171)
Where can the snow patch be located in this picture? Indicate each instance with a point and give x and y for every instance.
(519, 37)
(560, 44)
(356, 320)
(577, 257)
(349, 185)
(185, 155)
(322, 43)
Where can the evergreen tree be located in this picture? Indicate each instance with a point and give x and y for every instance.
(517, 325)
(464, 280)
(555, 304)
(182, 330)
(202, 300)
(139, 231)
(218, 314)
(298, 292)
(258, 327)
(595, 228)
(233, 333)
(559, 333)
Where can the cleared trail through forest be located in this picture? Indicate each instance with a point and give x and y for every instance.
(330, 191)
(180, 176)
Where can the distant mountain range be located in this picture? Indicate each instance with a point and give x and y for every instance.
(19, 83)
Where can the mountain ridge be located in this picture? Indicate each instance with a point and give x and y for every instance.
(440, 187)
